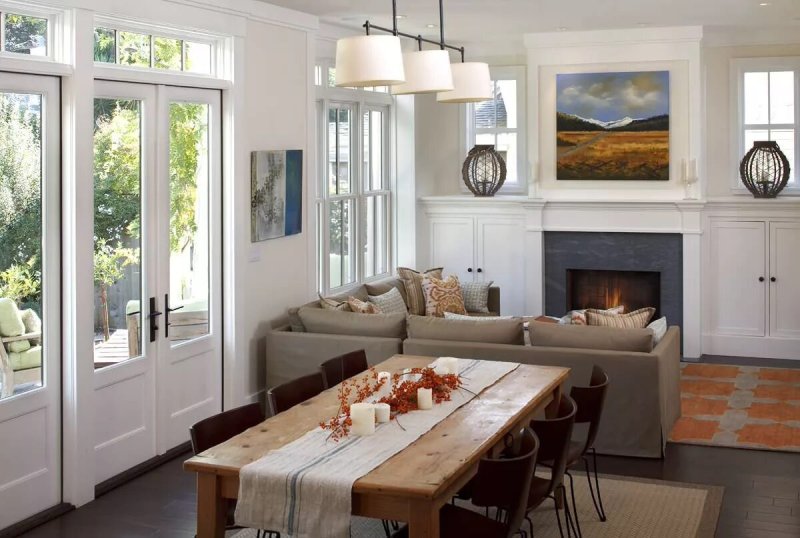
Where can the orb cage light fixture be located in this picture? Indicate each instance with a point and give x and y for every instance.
(377, 60)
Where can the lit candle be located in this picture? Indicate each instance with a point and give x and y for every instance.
(382, 412)
(424, 398)
(363, 417)
(449, 365)
(386, 389)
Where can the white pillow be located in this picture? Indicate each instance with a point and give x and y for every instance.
(659, 328)
(390, 302)
(451, 315)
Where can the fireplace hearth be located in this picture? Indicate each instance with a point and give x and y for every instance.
(592, 288)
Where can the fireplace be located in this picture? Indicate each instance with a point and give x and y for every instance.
(594, 288)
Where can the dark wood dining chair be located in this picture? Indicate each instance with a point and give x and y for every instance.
(554, 437)
(219, 428)
(294, 392)
(502, 483)
(337, 369)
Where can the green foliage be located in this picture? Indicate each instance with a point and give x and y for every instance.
(167, 53)
(188, 137)
(24, 33)
(22, 283)
(105, 45)
(134, 49)
(110, 261)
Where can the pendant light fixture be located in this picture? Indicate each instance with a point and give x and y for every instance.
(366, 61)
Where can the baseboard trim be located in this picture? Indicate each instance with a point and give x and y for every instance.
(751, 346)
(35, 520)
(134, 472)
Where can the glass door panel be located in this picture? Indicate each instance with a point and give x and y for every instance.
(187, 303)
(117, 230)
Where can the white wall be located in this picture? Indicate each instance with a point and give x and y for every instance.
(722, 163)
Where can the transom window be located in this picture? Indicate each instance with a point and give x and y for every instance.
(24, 33)
(500, 122)
(767, 108)
(138, 49)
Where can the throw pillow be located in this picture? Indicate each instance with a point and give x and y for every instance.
(578, 317)
(450, 315)
(329, 303)
(412, 281)
(363, 307)
(443, 296)
(31, 320)
(10, 320)
(659, 328)
(637, 319)
(476, 296)
(390, 302)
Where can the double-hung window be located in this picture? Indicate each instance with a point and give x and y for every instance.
(500, 122)
(354, 195)
(766, 108)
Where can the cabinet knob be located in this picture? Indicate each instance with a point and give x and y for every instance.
(469, 269)
(773, 279)
(761, 279)
(480, 270)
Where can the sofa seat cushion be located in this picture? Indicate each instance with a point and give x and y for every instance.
(589, 337)
(503, 331)
(31, 358)
(317, 320)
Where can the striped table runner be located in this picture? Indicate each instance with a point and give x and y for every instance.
(303, 490)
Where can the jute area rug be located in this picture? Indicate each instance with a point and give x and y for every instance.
(636, 508)
(740, 407)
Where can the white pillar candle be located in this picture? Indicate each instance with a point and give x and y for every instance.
(449, 365)
(386, 389)
(363, 417)
(424, 398)
(382, 412)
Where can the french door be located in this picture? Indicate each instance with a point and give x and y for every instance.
(157, 261)
(30, 312)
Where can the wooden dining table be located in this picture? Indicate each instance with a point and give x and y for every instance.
(412, 485)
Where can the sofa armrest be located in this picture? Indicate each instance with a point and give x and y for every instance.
(290, 355)
(668, 355)
(494, 300)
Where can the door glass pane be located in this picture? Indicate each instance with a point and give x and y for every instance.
(167, 53)
(189, 221)
(756, 98)
(342, 261)
(134, 49)
(373, 150)
(21, 239)
(26, 35)
(117, 231)
(375, 247)
(781, 97)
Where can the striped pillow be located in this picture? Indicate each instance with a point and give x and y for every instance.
(637, 319)
(412, 282)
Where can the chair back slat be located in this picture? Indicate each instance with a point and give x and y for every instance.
(337, 369)
(590, 401)
(219, 428)
(295, 392)
(554, 437)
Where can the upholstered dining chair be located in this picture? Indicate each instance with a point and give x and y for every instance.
(554, 436)
(502, 483)
(337, 369)
(219, 428)
(294, 392)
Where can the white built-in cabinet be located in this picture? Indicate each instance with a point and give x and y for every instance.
(482, 249)
(754, 287)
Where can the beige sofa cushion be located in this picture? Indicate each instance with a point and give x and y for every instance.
(317, 320)
(493, 332)
(589, 337)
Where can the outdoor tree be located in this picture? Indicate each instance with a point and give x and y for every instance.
(109, 264)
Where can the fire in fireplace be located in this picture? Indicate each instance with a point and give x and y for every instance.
(589, 288)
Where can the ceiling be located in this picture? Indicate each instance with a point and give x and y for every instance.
(487, 21)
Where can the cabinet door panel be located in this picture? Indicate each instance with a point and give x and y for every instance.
(738, 261)
(501, 259)
(785, 269)
(453, 246)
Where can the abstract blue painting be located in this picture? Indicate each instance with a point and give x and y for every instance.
(276, 204)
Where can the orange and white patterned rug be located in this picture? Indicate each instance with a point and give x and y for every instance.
(739, 406)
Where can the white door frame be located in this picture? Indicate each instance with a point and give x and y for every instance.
(30, 423)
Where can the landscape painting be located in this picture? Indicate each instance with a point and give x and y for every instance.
(613, 126)
(276, 190)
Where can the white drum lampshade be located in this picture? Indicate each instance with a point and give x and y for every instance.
(472, 84)
(369, 60)
(427, 71)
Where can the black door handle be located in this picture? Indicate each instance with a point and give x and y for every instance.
(153, 317)
(469, 269)
(167, 311)
(480, 270)
(761, 279)
(773, 279)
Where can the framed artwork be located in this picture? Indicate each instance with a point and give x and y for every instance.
(276, 194)
(612, 126)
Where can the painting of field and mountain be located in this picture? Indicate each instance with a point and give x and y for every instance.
(613, 126)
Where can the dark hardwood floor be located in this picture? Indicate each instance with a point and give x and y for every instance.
(761, 500)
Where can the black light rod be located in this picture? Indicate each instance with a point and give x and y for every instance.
(369, 26)
(441, 24)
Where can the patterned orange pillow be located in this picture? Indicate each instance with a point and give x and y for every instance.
(443, 296)
(362, 307)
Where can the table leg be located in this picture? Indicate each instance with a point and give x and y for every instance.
(424, 520)
(211, 507)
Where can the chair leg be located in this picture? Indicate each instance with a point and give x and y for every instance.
(530, 524)
(578, 531)
(598, 501)
(386, 528)
(558, 516)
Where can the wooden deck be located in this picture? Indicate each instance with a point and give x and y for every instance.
(114, 351)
